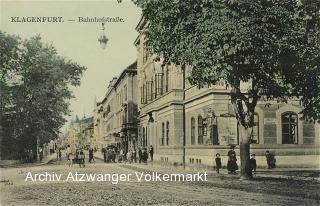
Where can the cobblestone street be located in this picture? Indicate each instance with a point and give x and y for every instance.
(219, 190)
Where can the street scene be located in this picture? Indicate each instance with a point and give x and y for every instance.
(276, 188)
(140, 102)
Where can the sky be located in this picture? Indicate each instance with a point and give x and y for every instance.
(79, 41)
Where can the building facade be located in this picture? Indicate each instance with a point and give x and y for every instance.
(188, 125)
(115, 117)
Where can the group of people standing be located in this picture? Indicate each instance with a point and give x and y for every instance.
(140, 155)
(251, 164)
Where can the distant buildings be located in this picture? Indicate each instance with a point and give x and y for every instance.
(80, 133)
(115, 117)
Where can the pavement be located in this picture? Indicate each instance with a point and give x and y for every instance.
(220, 189)
(312, 174)
(46, 159)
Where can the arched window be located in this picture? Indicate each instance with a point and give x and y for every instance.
(200, 130)
(167, 142)
(193, 131)
(289, 121)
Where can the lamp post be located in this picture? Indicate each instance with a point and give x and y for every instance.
(103, 40)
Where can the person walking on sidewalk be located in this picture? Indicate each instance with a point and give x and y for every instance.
(91, 158)
(134, 155)
(40, 154)
(81, 158)
(139, 154)
(151, 152)
(218, 163)
(69, 155)
(120, 158)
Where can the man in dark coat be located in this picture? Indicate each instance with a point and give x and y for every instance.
(151, 152)
(251, 166)
(140, 154)
(91, 154)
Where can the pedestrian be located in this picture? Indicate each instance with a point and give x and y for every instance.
(40, 154)
(59, 153)
(251, 166)
(151, 152)
(69, 156)
(139, 155)
(129, 156)
(145, 155)
(26, 155)
(120, 159)
(253, 163)
(232, 161)
(113, 155)
(104, 153)
(30, 155)
(218, 163)
(271, 161)
(81, 158)
(134, 155)
(91, 154)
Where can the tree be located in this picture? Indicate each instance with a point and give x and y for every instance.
(35, 91)
(272, 44)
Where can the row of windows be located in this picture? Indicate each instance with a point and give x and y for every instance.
(289, 122)
(202, 130)
(158, 85)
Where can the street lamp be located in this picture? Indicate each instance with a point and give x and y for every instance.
(103, 40)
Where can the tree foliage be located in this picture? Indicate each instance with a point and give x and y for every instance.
(273, 43)
(35, 91)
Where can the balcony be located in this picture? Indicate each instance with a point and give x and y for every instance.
(128, 126)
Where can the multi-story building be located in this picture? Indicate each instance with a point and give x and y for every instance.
(80, 133)
(116, 116)
(189, 125)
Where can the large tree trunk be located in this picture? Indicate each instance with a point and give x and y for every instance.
(245, 122)
(244, 149)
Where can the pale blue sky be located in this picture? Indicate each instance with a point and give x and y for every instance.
(79, 41)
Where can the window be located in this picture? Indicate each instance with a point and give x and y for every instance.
(200, 130)
(214, 132)
(163, 132)
(289, 128)
(143, 136)
(158, 84)
(125, 92)
(146, 140)
(147, 52)
(144, 94)
(255, 131)
(149, 90)
(167, 142)
(193, 131)
(167, 79)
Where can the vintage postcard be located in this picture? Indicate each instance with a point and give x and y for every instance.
(159, 102)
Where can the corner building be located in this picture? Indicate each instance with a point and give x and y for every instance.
(187, 124)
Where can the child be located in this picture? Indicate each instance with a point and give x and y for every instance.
(218, 162)
(81, 159)
(253, 164)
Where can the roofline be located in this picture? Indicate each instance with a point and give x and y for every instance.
(132, 68)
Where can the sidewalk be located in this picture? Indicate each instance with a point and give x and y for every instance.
(283, 173)
(47, 159)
